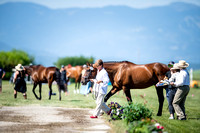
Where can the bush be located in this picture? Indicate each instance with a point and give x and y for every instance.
(117, 111)
(134, 112)
(74, 61)
(145, 126)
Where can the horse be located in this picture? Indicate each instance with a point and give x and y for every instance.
(41, 74)
(74, 72)
(126, 75)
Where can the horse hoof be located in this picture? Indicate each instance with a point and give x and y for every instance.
(159, 114)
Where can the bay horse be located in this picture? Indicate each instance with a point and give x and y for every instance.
(126, 75)
(41, 74)
(74, 72)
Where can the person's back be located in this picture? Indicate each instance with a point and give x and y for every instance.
(63, 75)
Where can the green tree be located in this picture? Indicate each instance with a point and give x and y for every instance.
(74, 61)
(8, 60)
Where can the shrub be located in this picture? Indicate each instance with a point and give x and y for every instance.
(145, 126)
(117, 111)
(134, 112)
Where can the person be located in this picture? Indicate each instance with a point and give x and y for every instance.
(172, 90)
(2, 74)
(20, 84)
(101, 81)
(64, 79)
(168, 76)
(182, 83)
(84, 88)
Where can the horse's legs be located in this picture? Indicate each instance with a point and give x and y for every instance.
(160, 99)
(59, 90)
(34, 86)
(75, 87)
(50, 89)
(78, 86)
(112, 92)
(127, 92)
(40, 91)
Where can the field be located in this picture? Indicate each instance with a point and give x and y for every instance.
(80, 101)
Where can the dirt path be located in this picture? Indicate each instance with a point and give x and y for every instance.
(50, 119)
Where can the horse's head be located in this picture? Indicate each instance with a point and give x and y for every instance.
(90, 73)
(28, 70)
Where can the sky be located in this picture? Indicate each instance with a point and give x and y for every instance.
(55, 4)
(105, 37)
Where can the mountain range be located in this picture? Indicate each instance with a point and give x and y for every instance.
(156, 34)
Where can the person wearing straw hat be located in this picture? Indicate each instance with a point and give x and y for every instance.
(101, 81)
(20, 84)
(182, 83)
(64, 79)
(172, 89)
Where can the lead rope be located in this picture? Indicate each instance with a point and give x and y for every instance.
(95, 91)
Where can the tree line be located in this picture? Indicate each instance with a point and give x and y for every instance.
(9, 59)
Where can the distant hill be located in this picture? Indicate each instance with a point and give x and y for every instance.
(140, 35)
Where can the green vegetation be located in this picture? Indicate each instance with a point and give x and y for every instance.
(75, 60)
(144, 96)
(135, 111)
(10, 59)
(196, 75)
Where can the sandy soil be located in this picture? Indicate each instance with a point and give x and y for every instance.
(50, 119)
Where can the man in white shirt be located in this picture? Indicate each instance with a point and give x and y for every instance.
(182, 83)
(101, 82)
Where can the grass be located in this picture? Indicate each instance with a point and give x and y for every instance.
(192, 125)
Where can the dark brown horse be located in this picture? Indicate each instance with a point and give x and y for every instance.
(126, 75)
(41, 74)
(74, 72)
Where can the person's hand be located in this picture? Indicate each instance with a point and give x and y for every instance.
(91, 80)
(98, 82)
(171, 83)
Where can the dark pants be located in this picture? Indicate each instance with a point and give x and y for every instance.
(172, 93)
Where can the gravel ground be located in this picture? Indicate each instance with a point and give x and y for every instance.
(50, 119)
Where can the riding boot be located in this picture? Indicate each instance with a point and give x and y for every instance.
(25, 96)
(15, 95)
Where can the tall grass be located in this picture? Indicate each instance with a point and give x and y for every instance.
(138, 95)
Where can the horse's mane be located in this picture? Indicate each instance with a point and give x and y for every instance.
(118, 62)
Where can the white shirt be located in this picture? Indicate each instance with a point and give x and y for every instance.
(102, 76)
(182, 78)
(174, 76)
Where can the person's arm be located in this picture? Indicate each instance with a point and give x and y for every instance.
(172, 78)
(15, 76)
(179, 79)
(3, 74)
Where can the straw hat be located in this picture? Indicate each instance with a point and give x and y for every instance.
(175, 66)
(19, 67)
(182, 64)
(98, 63)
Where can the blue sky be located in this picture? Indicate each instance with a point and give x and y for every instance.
(134, 39)
(55, 4)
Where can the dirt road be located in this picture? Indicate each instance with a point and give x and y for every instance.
(49, 119)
